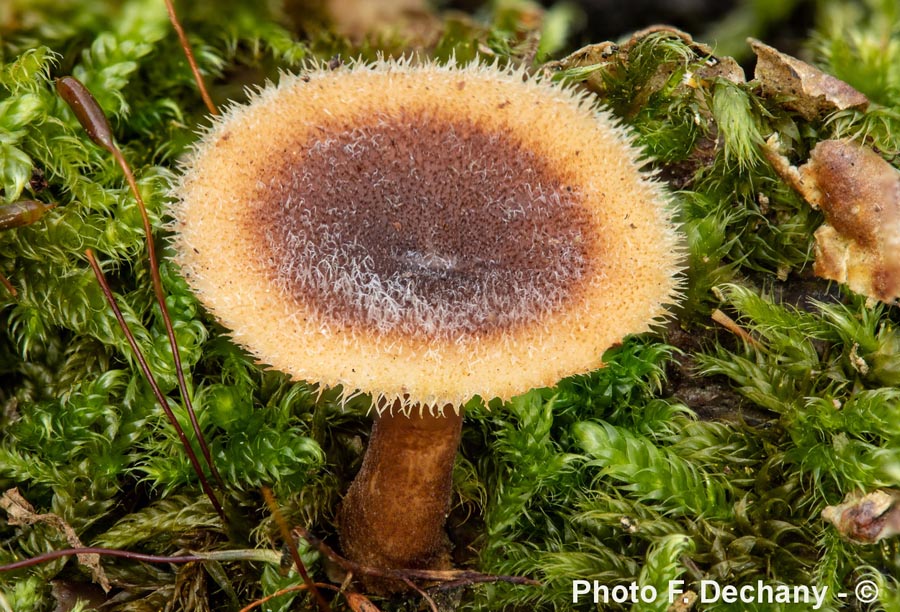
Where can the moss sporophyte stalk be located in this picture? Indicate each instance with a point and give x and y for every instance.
(403, 240)
(425, 234)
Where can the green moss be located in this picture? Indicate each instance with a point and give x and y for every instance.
(615, 476)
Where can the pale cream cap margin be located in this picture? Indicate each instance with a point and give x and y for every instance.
(639, 248)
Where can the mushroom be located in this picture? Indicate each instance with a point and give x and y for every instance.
(425, 234)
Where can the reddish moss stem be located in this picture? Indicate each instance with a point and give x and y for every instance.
(95, 123)
(92, 550)
(394, 513)
(189, 54)
(157, 392)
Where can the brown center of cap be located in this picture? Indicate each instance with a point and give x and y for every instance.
(421, 225)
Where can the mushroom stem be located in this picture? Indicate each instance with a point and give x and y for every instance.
(394, 512)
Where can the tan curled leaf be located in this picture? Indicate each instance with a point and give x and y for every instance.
(684, 603)
(20, 512)
(805, 88)
(859, 192)
(359, 603)
(867, 518)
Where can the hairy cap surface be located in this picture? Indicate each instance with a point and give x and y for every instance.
(425, 233)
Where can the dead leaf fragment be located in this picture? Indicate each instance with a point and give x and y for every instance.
(359, 603)
(716, 67)
(684, 603)
(806, 89)
(859, 192)
(866, 519)
(20, 512)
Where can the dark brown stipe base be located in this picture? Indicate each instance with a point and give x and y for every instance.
(394, 512)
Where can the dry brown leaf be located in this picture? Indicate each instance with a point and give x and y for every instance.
(609, 58)
(859, 192)
(806, 89)
(866, 519)
(684, 603)
(359, 603)
(20, 512)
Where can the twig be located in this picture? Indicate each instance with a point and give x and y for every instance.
(94, 121)
(157, 392)
(93, 550)
(731, 325)
(9, 286)
(189, 53)
(424, 595)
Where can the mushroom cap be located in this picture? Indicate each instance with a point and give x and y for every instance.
(424, 233)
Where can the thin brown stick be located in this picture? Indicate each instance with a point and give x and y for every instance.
(425, 596)
(95, 123)
(9, 286)
(292, 547)
(731, 325)
(189, 53)
(167, 319)
(285, 591)
(92, 550)
(163, 402)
